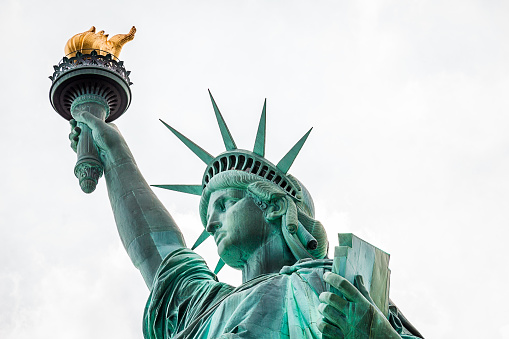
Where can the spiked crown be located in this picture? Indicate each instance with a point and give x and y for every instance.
(252, 162)
(241, 160)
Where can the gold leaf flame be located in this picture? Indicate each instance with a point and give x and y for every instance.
(89, 40)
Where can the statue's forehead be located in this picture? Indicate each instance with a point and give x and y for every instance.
(227, 193)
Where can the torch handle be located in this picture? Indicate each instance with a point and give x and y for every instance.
(88, 167)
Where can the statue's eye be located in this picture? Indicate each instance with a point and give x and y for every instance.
(223, 204)
(229, 203)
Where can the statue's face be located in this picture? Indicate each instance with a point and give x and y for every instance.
(237, 224)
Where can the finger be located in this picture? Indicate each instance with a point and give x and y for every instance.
(334, 300)
(332, 315)
(343, 285)
(75, 132)
(74, 135)
(88, 119)
(359, 283)
(328, 330)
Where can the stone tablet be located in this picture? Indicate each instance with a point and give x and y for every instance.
(355, 256)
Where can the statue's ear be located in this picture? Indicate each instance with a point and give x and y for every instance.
(276, 209)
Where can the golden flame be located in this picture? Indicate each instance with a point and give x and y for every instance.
(88, 41)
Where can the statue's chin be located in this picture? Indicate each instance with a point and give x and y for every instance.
(230, 258)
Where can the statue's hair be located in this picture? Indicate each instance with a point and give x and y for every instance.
(305, 236)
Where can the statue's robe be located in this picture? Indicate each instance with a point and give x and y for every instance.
(187, 301)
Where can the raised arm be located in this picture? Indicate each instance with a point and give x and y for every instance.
(147, 230)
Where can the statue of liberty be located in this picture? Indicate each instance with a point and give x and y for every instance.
(262, 221)
(261, 218)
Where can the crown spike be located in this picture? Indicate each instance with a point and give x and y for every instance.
(190, 189)
(287, 161)
(200, 152)
(227, 137)
(219, 266)
(259, 147)
(203, 236)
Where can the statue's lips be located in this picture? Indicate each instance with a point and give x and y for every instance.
(218, 236)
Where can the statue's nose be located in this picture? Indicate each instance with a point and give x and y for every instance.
(213, 226)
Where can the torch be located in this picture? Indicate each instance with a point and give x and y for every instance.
(91, 78)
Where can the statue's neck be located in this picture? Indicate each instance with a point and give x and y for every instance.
(269, 258)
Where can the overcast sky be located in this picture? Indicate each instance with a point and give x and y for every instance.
(410, 149)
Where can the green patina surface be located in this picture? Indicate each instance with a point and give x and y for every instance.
(88, 168)
(262, 220)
